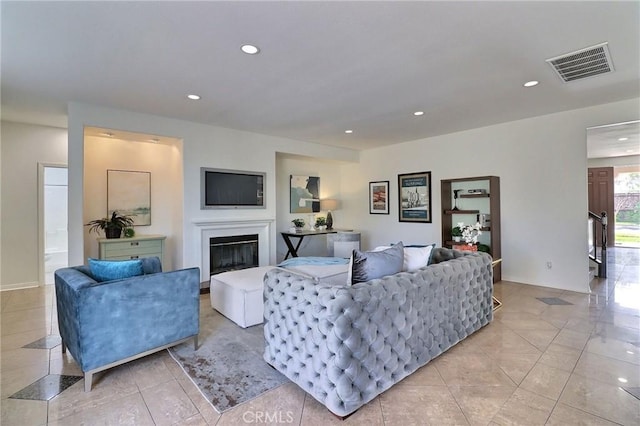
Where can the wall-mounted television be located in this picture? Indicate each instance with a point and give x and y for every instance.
(231, 189)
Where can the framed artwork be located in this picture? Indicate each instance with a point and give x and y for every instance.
(414, 197)
(129, 193)
(379, 197)
(305, 194)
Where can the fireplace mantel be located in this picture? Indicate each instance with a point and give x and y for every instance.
(211, 228)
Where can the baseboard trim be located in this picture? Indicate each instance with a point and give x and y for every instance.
(18, 286)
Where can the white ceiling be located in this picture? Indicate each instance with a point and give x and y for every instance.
(324, 67)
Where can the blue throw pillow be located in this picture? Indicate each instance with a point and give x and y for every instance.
(369, 265)
(107, 270)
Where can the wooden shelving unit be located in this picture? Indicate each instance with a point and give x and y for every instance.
(469, 206)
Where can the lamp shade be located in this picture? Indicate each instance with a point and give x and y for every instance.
(328, 204)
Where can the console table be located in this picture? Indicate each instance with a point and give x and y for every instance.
(293, 249)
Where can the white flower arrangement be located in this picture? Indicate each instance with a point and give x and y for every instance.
(470, 233)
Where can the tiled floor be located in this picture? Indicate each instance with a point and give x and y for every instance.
(537, 363)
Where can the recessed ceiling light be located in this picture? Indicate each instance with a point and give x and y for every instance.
(250, 49)
(623, 139)
(107, 134)
(418, 113)
(193, 97)
(629, 150)
(622, 380)
(154, 140)
(531, 83)
(348, 131)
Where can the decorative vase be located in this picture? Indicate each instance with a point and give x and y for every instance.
(457, 239)
(329, 221)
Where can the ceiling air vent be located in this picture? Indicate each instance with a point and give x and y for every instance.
(583, 63)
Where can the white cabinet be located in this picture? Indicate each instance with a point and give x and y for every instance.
(342, 243)
(132, 248)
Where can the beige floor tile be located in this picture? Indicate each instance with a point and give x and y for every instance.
(605, 330)
(560, 356)
(19, 412)
(613, 348)
(573, 339)
(471, 370)
(284, 402)
(36, 319)
(108, 386)
(420, 405)
(600, 399)
(481, 403)
(23, 357)
(35, 297)
(515, 366)
(541, 339)
(129, 410)
(18, 340)
(168, 403)
(525, 321)
(608, 370)
(519, 303)
(507, 341)
(545, 381)
(628, 320)
(427, 375)
(524, 408)
(63, 363)
(15, 380)
(316, 414)
(150, 371)
(584, 325)
(564, 415)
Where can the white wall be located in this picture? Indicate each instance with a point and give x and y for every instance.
(330, 176)
(542, 167)
(203, 145)
(23, 147)
(163, 161)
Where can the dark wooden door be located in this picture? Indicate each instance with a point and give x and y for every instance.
(600, 180)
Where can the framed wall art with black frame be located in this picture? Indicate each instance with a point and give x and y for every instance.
(414, 197)
(379, 197)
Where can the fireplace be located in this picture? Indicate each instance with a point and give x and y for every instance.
(232, 253)
(205, 229)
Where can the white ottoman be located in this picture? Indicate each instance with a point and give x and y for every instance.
(238, 295)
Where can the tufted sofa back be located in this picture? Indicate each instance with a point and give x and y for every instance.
(344, 345)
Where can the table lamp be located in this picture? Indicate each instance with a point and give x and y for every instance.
(328, 205)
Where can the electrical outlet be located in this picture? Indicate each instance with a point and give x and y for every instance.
(549, 264)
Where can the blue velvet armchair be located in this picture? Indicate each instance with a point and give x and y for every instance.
(105, 324)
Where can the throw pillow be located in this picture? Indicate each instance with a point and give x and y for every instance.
(107, 270)
(369, 265)
(415, 256)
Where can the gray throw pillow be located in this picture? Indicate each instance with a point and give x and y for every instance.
(368, 265)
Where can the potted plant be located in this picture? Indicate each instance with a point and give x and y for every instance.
(321, 223)
(298, 223)
(112, 226)
(456, 233)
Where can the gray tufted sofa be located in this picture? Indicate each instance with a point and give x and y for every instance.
(345, 345)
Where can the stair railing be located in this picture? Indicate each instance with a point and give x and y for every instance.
(598, 223)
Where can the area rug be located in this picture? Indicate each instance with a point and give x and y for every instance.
(228, 367)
